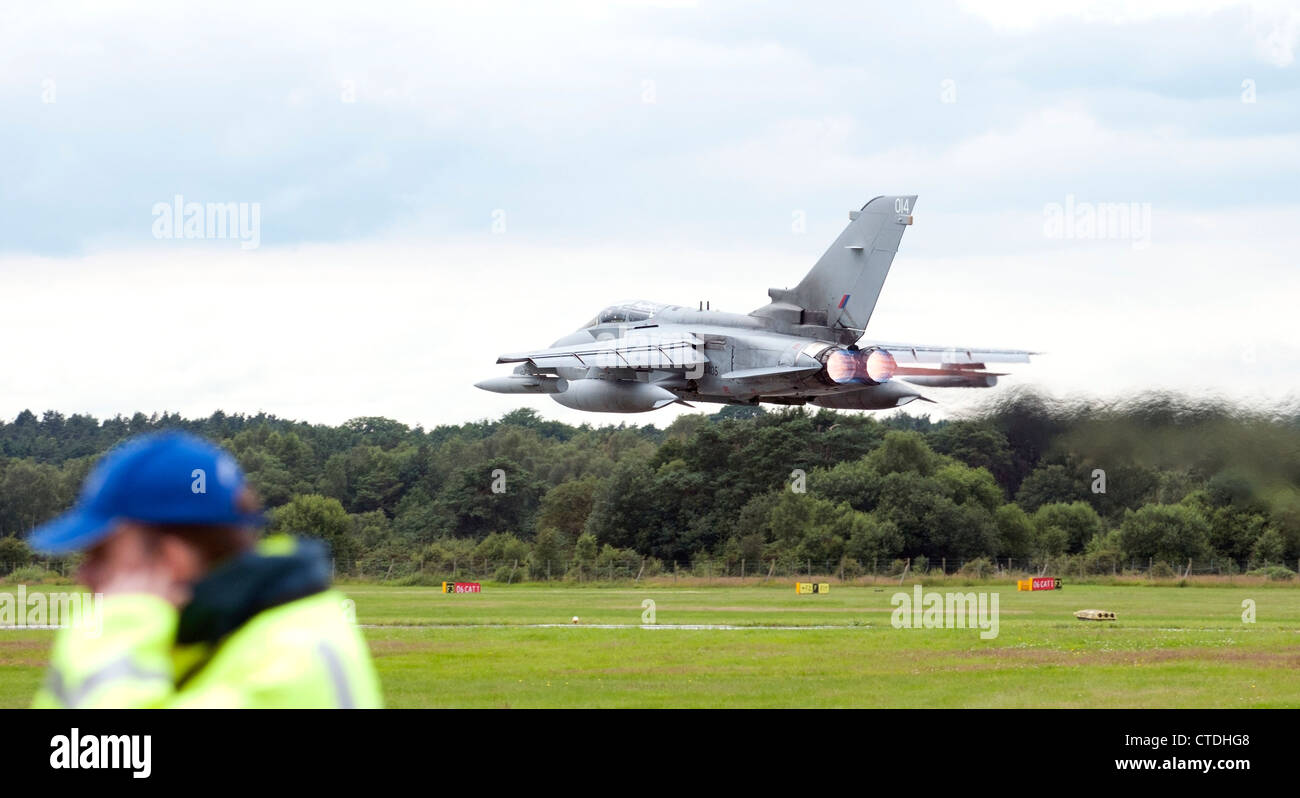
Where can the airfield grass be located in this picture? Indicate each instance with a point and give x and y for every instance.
(1171, 647)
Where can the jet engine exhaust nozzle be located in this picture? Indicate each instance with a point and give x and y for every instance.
(864, 367)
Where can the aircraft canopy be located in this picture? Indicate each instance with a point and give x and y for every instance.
(637, 310)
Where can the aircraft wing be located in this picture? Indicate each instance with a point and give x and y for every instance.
(637, 352)
(951, 355)
(950, 366)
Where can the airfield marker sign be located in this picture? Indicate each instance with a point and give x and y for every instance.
(462, 587)
(808, 588)
(1039, 583)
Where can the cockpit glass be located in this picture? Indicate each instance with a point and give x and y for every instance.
(626, 312)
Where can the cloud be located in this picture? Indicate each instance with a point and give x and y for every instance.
(1023, 16)
(403, 329)
(633, 150)
(589, 121)
(1277, 34)
(1032, 159)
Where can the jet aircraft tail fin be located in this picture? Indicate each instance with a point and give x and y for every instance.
(842, 288)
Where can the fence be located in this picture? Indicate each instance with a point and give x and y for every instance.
(635, 569)
(845, 569)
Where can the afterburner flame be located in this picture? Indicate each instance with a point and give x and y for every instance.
(880, 365)
(867, 367)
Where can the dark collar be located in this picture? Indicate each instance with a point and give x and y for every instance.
(251, 583)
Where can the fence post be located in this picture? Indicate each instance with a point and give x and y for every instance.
(742, 567)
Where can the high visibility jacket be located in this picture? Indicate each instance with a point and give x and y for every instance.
(261, 631)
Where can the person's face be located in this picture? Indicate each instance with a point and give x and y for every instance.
(133, 559)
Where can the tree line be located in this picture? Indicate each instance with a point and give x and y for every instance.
(1098, 485)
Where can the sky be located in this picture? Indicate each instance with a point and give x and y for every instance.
(426, 186)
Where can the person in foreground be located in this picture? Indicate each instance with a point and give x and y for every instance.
(196, 612)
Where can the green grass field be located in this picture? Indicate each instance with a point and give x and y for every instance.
(1171, 647)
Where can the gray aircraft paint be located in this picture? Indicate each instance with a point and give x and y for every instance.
(640, 356)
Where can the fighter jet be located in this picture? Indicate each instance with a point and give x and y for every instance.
(803, 347)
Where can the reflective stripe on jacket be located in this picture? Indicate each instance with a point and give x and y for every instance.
(303, 654)
(297, 652)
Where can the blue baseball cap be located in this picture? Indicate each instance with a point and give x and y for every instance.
(159, 478)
